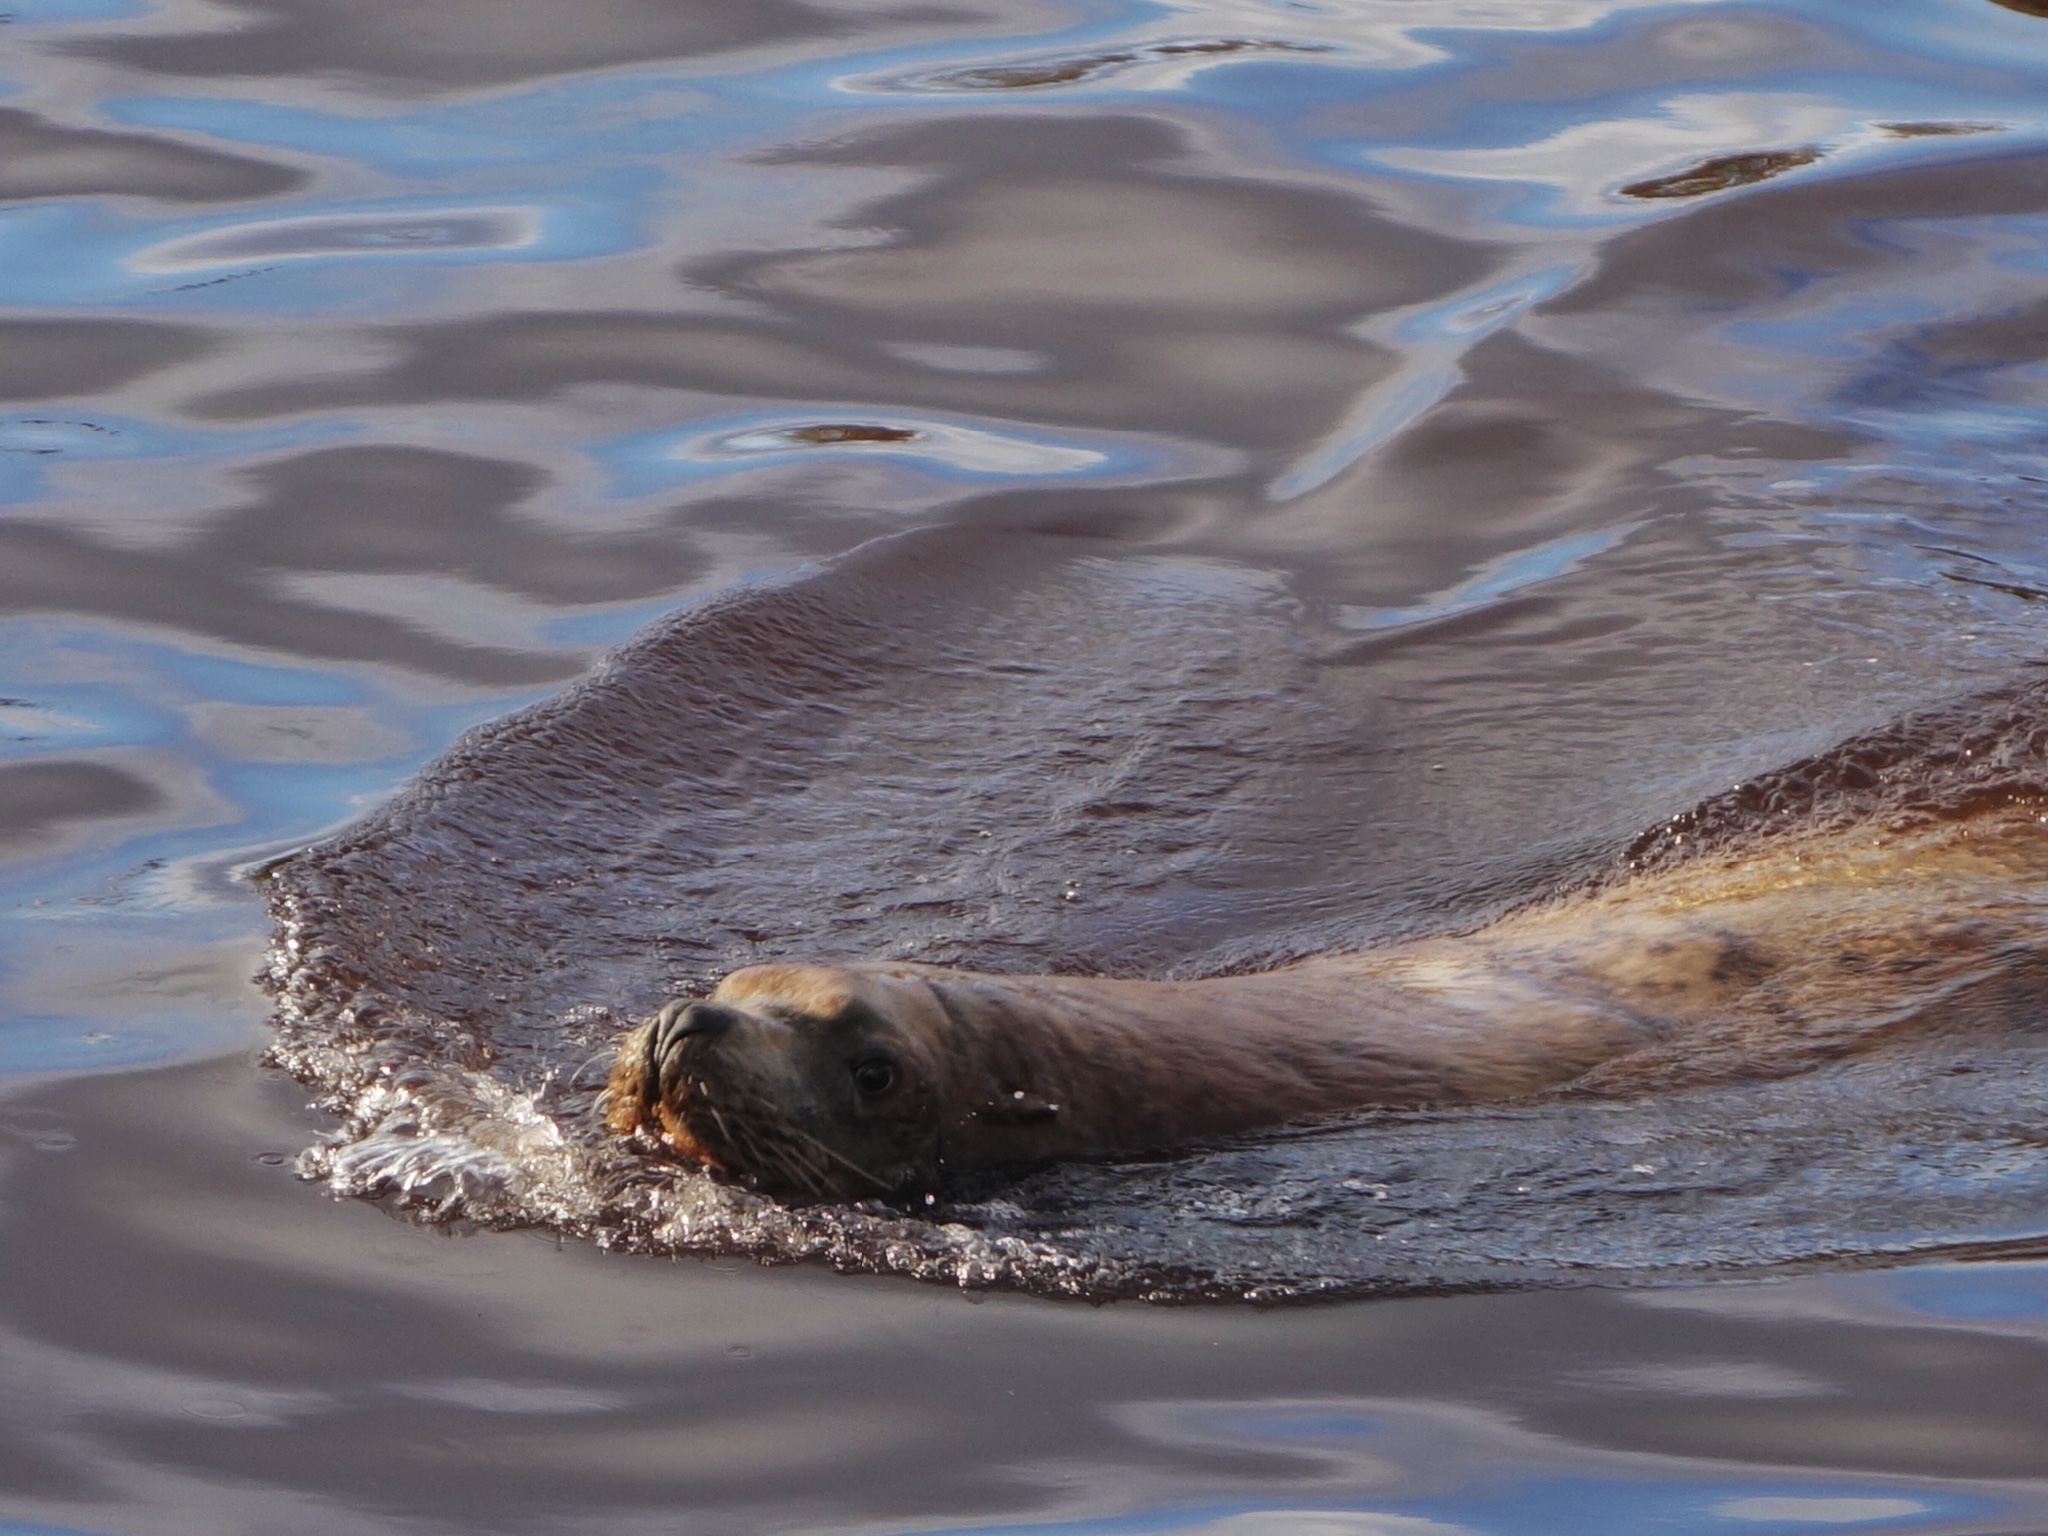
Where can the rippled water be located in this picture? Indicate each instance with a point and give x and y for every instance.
(1419, 448)
(1165, 786)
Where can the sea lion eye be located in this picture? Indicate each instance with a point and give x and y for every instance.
(874, 1075)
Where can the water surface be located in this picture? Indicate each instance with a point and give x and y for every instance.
(1421, 449)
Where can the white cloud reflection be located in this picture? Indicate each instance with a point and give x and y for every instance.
(1819, 1511)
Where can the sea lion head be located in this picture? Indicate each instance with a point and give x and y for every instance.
(807, 1082)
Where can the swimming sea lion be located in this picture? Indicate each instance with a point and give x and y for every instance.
(839, 1082)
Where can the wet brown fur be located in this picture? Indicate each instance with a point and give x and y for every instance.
(1750, 963)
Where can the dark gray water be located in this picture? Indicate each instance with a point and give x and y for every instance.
(1288, 473)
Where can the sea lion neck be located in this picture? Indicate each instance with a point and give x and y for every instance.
(852, 1081)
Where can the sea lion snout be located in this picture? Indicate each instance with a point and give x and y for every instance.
(686, 1019)
(666, 1038)
(795, 1080)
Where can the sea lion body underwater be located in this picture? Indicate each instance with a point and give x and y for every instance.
(846, 1082)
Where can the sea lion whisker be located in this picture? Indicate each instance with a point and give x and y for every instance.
(776, 1156)
(734, 1134)
(775, 1145)
(841, 1158)
(782, 1139)
(765, 1151)
(574, 1079)
(802, 1172)
(770, 1148)
(755, 1147)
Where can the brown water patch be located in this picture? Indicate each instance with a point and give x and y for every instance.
(1731, 253)
(399, 510)
(1039, 222)
(1229, 379)
(46, 568)
(358, 510)
(1013, 77)
(2014, 338)
(456, 44)
(1937, 130)
(832, 433)
(37, 798)
(368, 510)
(42, 359)
(1211, 307)
(38, 158)
(1723, 173)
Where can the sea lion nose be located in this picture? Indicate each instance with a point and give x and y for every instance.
(680, 1021)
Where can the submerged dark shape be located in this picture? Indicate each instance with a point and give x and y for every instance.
(1013, 77)
(1723, 173)
(1024, 753)
(1936, 130)
(827, 434)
